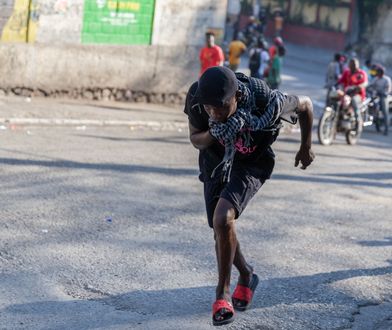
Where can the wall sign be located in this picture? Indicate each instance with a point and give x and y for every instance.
(126, 22)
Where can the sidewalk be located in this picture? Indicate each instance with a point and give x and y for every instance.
(46, 111)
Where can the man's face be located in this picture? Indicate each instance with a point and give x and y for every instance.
(210, 40)
(221, 114)
(353, 65)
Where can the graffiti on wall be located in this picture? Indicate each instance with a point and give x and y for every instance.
(127, 22)
(19, 18)
(118, 21)
(21, 25)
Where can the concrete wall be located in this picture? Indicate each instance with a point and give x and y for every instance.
(60, 22)
(58, 60)
(308, 36)
(185, 22)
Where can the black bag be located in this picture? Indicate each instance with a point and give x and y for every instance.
(255, 61)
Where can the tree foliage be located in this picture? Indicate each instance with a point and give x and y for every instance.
(368, 14)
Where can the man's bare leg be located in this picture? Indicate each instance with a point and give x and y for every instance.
(226, 245)
(243, 267)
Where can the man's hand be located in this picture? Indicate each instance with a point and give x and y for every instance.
(305, 155)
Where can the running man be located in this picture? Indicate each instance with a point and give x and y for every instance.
(233, 120)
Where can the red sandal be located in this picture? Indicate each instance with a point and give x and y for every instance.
(224, 309)
(244, 294)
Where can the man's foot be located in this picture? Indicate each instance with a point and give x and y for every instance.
(243, 293)
(222, 312)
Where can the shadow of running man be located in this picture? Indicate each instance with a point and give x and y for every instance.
(194, 303)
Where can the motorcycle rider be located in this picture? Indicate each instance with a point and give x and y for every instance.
(382, 86)
(354, 77)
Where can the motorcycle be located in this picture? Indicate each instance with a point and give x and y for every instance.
(375, 109)
(339, 117)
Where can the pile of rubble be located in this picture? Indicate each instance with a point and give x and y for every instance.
(99, 94)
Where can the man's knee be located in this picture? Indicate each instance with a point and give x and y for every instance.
(224, 217)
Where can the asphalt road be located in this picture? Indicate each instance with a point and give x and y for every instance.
(103, 227)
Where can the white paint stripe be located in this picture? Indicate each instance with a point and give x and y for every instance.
(93, 122)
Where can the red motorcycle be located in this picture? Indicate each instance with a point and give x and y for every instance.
(339, 117)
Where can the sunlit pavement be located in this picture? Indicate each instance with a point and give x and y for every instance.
(103, 224)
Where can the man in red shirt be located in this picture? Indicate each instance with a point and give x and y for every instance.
(355, 77)
(273, 50)
(211, 54)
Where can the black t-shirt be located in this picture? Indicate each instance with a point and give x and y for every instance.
(258, 154)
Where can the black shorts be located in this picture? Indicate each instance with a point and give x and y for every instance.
(244, 184)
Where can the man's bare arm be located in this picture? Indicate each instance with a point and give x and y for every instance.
(305, 117)
(200, 139)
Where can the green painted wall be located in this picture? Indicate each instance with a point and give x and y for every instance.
(126, 22)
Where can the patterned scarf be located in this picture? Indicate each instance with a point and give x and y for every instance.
(241, 123)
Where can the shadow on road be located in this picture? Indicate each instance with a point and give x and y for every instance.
(310, 288)
(138, 306)
(126, 107)
(367, 176)
(387, 241)
(318, 179)
(146, 305)
(98, 166)
(167, 139)
(364, 159)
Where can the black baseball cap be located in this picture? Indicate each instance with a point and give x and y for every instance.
(216, 86)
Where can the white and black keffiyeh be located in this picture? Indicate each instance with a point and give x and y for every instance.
(242, 122)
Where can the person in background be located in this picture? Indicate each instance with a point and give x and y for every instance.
(236, 49)
(355, 77)
(367, 67)
(259, 60)
(333, 71)
(251, 31)
(265, 60)
(274, 73)
(343, 63)
(278, 21)
(262, 20)
(333, 74)
(273, 50)
(381, 84)
(210, 55)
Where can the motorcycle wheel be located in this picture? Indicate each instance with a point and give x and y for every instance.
(352, 136)
(380, 123)
(325, 132)
(377, 124)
